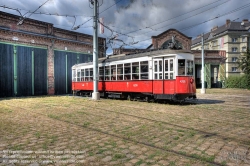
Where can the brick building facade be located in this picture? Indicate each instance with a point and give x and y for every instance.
(55, 43)
(161, 40)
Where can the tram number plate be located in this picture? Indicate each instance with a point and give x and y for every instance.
(183, 81)
(135, 85)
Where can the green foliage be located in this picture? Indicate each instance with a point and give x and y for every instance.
(244, 62)
(242, 82)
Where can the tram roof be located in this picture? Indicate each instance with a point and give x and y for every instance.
(148, 53)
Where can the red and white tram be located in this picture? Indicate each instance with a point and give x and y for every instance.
(159, 75)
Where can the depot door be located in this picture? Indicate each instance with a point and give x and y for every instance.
(163, 69)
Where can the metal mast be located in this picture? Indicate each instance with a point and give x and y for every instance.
(95, 94)
(203, 91)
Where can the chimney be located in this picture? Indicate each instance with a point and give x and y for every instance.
(245, 20)
(198, 36)
(227, 22)
(214, 28)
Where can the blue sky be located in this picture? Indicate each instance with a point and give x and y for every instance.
(133, 22)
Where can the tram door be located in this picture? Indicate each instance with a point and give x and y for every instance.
(163, 70)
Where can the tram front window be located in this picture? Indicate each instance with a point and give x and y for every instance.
(181, 66)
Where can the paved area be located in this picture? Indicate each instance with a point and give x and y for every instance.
(214, 130)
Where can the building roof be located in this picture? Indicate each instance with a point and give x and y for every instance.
(229, 26)
(169, 31)
(17, 18)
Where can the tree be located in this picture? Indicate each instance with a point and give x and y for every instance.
(244, 62)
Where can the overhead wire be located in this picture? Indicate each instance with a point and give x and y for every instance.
(182, 19)
(23, 17)
(77, 27)
(125, 34)
(165, 21)
(227, 13)
(41, 13)
(18, 10)
(173, 17)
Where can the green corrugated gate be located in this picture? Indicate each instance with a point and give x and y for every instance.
(23, 70)
(222, 74)
(6, 70)
(208, 75)
(63, 61)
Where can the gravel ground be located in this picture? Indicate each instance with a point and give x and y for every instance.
(66, 130)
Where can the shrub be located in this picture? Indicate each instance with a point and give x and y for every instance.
(238, 81)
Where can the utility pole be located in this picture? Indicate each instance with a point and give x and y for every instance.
(203, 90)
(95, 94)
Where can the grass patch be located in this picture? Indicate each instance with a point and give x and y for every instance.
(151, 156)
(139, 162)
(17, 147)
(86, 124)
(224, 163)
(172, 163)
(179, 130)
(183, 153)
(100, 151)
(53, 139)
(118, 156)
(191, 133)
(176, 138)
(38, 134)
(91, 153)
(68, 115)
(53, 116)
(203, 158)
(5, 109)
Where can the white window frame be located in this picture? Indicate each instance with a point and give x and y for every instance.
(169, 72)
(234, 39)
(244, 39)
(214, 43)
(234, 69)
(244, 49)
(234, 49)
(234, 59)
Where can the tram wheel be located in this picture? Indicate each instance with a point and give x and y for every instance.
(130, 98)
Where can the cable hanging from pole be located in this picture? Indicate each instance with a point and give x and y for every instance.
(78, 26)
(23, 17)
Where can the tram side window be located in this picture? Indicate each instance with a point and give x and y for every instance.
(144, 70)
(127, 71)
(107, 72)
(160, 65)
(87, 75)
(166, 70)
(171, 69)
(82, 74)
(91, 74)
(155, 66)
(189, 67)
(120, 72)
(101, 73)
(135, 71)
(181, 66)
(74, 75)
(113, 72)
(160, 69)
(78, 74)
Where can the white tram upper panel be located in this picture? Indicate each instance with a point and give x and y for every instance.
(161, 64)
